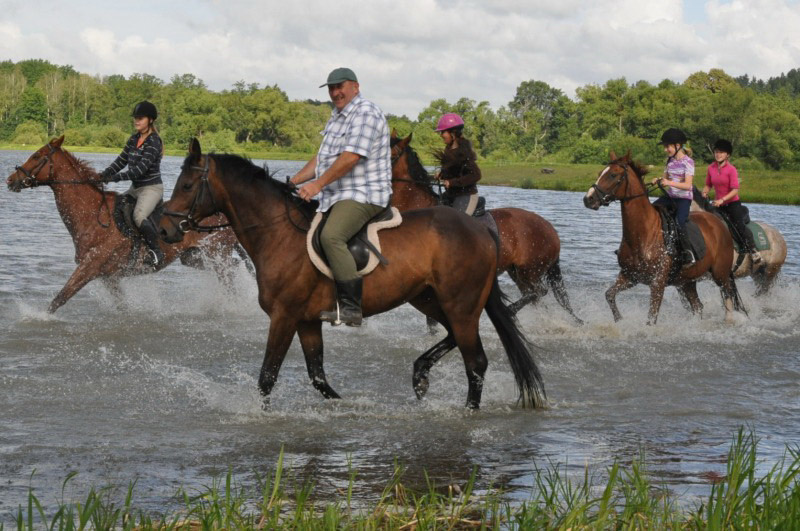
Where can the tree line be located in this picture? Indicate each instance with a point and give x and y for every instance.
(39, 100)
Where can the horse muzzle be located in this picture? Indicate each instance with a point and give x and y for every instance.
(590, 200)
(16, 183)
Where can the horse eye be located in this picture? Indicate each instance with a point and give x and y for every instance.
(187, 186)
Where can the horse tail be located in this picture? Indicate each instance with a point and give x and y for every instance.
(556, 283)
(526, 373)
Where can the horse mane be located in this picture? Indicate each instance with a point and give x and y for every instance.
(243, 168)
(417, 171)
(638, 168)
(82, 167)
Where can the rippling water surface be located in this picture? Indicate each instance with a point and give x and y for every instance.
(162, 387)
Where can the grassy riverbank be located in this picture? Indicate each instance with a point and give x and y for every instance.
(759, 186)
(622, 496)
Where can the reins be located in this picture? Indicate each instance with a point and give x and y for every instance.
(188, 222)
(607, 196)
(30, 180)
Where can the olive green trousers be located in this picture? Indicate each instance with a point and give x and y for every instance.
(345, 219)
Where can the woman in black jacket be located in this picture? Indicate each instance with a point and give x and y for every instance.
(459, 169)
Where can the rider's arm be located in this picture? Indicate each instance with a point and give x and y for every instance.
(120, 162)
(306, 173)
(151, 152)
(340, 167)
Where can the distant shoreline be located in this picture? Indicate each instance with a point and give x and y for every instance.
(759, 186)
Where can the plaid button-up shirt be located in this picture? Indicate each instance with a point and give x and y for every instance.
(359, 128)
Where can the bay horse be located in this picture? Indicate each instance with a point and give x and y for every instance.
(643, 256)
(766, 273)
(440, 261)
(101, 250)
(529, 245)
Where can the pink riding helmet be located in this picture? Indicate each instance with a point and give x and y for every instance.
(448, 121)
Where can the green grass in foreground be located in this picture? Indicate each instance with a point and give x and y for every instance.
(625, 498)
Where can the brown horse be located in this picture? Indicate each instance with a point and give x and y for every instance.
(529, 245)
(441, 262)
(643, 256)
(101, 250)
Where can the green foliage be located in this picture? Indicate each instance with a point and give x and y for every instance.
(29, 133)
(540, 123)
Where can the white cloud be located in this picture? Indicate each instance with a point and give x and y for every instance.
(409, 53)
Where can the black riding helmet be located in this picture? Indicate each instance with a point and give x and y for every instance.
(723, 145)
(673, 135)
(145, 108)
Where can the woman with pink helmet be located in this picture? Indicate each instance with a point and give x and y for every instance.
(459, 169)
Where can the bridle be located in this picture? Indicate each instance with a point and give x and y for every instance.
(30, 180)
(608, 196)
(187, 221)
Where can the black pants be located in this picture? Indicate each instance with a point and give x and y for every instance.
(738, 216)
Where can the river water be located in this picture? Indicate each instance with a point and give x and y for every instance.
(163, 390)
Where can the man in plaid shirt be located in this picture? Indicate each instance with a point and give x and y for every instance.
(353, 173)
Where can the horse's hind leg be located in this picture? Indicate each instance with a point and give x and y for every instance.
(529, 282)
(310, 334)
(556, 282)
(688, 292)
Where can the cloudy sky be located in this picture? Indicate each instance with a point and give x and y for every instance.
(408, 52)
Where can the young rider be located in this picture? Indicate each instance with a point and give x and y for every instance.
(678, 176)
(142, 155)
(723, 177)
(459, 171)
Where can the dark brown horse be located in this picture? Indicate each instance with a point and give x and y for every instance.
(529, 245)
(101, 250)
(643, 256)
(440, 261)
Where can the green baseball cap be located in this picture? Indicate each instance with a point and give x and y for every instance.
(338, 75)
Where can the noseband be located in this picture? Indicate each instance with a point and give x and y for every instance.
(187, 221)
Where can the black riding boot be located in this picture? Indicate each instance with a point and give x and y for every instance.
(687, 256)
(151, 238)
(348, 304)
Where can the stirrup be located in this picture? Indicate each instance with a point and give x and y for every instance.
(688, 260)
(152, 258)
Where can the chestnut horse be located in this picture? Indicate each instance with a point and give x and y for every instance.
(643, 256)
(101, 250)
(440, 261)
(766, 273)
(529, 245)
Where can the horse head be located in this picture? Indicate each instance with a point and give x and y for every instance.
(192, 199)
(31, 174)
(609, 185)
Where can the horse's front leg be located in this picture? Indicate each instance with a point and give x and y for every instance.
(622, 283)
(310, 334)
(657, 287)
(281, 333)
(88, 269)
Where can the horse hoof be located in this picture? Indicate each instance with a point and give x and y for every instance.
(421, 388)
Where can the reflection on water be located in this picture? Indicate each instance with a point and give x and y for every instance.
(162, 386)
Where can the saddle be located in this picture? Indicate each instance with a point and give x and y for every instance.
(759, 236)
(669, 226)
(123, 218)
(364, 246)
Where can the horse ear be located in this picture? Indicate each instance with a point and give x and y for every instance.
(194, 148)
(408, 138)
(628, 155)
(612, 155)
(56, 142)
(394, 132)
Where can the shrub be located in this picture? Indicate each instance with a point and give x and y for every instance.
(30, 133)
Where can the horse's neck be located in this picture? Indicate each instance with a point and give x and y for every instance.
(639, 219)
(77, 203)
(409, 195)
